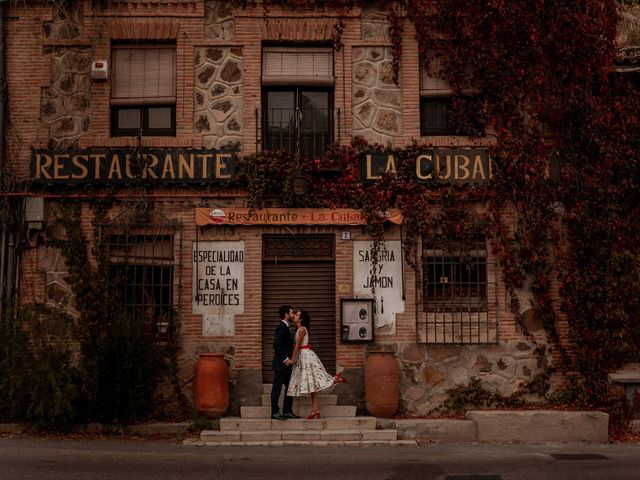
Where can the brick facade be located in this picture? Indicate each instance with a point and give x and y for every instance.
(53, 103)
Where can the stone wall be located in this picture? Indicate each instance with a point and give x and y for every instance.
(58, 292)
(377, 101)
(375, 25)
(218, 96)
(218, 19)
(65, 104)
(66, 24)
(427, 372)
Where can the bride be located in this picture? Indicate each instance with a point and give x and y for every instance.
(308, 375)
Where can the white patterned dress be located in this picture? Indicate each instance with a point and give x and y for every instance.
(308, 374)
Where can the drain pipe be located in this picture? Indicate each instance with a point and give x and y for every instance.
(5, 273)
(3, 86)
(10, 268)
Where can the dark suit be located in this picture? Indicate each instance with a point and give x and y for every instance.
(283, 349)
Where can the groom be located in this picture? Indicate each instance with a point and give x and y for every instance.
(283, 349)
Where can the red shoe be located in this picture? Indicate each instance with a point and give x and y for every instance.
(339, 378)
(313, 414)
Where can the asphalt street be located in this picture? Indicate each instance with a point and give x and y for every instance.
(35, 459)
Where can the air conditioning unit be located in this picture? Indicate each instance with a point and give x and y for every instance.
(100, 70)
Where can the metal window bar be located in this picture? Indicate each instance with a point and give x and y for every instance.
(456, 290)
(143, 269)
(304, 131)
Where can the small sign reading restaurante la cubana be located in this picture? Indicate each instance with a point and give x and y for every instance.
(430, 165)
(124, 166)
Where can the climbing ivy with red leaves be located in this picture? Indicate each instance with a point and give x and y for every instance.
(544, 71)
(537, 77)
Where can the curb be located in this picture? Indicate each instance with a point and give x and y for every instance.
(507, 426)
(485, 426)
(144, 430)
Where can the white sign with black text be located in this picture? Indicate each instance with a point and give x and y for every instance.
(218, 285)
(386, 286)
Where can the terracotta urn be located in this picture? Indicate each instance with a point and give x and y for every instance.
(212, 385)
(381, 384)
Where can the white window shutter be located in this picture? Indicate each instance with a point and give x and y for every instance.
(300, 66)
(432, 81)
(143, 75)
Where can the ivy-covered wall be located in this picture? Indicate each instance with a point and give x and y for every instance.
(552, 105)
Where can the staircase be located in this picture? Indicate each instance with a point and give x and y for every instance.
(337, 426)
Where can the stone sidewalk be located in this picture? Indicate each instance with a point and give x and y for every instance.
(507, 426)
(487, 426)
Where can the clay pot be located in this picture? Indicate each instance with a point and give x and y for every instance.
(381, 384)
(212, 385)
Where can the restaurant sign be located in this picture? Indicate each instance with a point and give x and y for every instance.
(208, 166)
(288, 216)
(430, 165)
(127, 165)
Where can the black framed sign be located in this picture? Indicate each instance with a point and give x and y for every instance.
(356, 319)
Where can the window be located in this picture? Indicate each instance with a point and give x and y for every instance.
(297, 95)
(454, 283)
(434, 116)
(142, 269)
(143, 90)
(437, 113)
(435, 97)
(456, 286)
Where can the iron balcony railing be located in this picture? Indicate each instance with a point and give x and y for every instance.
(307, 132)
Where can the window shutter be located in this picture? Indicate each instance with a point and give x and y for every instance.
(297, 66)
(143, 75)
(431, 81)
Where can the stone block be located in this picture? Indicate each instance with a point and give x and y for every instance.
(301, 435)
(235, 423)
(262, 436)
(540, 426)
(219, 436)
(328, 399)
(441, 353)
(413, 353)
(245, 390)
(364, 74)
(296, 425)
(340, 435)
(432, 376)
(445, 430)
(383, 435)
(347, 423)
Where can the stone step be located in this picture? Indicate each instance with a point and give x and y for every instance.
(301, 410)
(230, 424)
(217, 436)
(322, 400)
(266, 389)
(299, 443)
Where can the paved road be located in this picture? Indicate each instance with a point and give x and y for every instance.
(28, 459)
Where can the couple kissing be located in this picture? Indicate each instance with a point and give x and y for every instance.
(296, 366)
